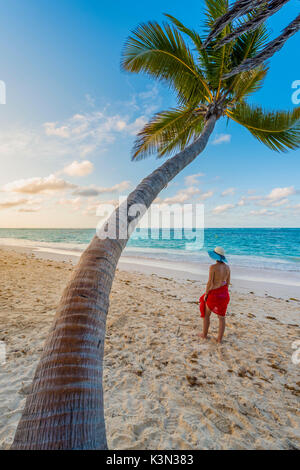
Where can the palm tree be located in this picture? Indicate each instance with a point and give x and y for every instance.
(65, 407)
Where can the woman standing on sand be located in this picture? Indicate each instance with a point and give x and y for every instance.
(216, 297)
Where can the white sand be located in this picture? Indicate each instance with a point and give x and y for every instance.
(164, 388)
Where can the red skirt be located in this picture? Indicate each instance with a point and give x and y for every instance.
(217, 301)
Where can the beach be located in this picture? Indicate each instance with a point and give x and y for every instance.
(164, 388)
(150, 155)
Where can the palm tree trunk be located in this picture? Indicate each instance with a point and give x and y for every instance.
(65, 408)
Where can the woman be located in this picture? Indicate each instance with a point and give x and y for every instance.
(216, 297)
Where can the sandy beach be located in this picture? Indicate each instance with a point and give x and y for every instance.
(164, 387)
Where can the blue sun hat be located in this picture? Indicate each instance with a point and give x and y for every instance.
(218, 254)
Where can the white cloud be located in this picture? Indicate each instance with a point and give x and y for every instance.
(182, 196)
(51, 129)
(282, 202)
(191, 180)
(38, 185)
(92, 208)
(228, 192)
(146, 102)
(136, 125)
(12, 203)
(89, 132)
(242, 201)
(221, 139)
(30, 204)
(263, 212)
(206, 195)
(30, 210)
(223, 208)
(91, 191)
(276, 197)
(90, 100)
(280, 193)
(83, 133)
(76, 168)
(189, 193)
(74, 204)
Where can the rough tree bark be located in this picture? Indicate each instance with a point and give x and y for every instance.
(65, 407)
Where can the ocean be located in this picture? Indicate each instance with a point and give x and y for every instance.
(265, 248)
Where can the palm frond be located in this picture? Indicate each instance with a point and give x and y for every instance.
(211, 61)
(219, 59)
(162, 52)
(218, 80)
(256, 20)
(248, 83)
(190, 32)
(196, 38)
(278, 130)
(167, 131)
(244, 47)
(249, 44)
(218, 23)
(214, 10)
(271, 48)
(185, 136)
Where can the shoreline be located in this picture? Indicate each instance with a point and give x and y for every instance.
(261, 282)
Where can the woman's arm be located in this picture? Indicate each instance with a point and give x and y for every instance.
(210, 282)
(228, 278)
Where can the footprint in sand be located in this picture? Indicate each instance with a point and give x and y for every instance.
(247, 409)
(132, 407)
(26, 389)
(141, 428)
(170, 424)
(120, 441)
(221, 423)
(191, 422)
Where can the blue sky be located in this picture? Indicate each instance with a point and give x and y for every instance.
(71, 115)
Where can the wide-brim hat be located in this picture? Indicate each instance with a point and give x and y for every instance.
(218, 254)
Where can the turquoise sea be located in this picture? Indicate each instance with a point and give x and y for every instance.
(277, 248)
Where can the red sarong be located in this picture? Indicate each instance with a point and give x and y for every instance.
(217, 301)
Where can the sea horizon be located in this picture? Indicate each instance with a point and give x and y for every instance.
(271, 249)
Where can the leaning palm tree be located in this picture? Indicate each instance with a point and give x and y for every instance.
(65, 407)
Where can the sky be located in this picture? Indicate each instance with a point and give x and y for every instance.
(71, 116)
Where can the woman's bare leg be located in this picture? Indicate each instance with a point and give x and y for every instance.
(221, 329)
(206, 322)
